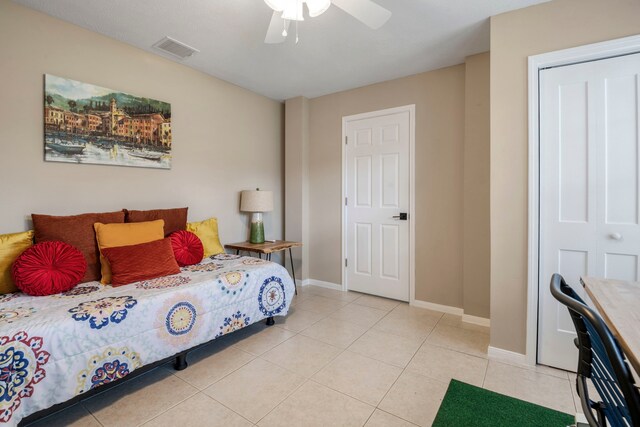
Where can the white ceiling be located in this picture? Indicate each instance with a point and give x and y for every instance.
(335, 52)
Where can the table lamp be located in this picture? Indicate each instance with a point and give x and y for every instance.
(256, 202)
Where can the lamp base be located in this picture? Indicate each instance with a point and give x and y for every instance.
(257, 228)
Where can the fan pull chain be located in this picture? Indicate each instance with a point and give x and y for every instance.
(300, 9)
(284, 28)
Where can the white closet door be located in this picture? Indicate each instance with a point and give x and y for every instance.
(589, 199)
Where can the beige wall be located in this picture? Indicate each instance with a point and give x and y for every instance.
(440, 108)
(296, 180)
(476, 275)
(225, 138)
(514, 36)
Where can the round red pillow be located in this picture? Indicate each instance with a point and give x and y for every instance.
(187, 247)
(48, 268)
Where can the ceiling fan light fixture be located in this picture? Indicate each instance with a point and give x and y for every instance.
(277, 5)
(293, 10)
(317, 7)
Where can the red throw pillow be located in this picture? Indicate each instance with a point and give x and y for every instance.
(174, 219)
(48, 268)
(76, 230)
(187, 248)
(145, 261)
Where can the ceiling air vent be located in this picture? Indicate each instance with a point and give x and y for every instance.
(175, 48)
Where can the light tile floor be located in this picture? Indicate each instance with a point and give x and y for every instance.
(342, 359)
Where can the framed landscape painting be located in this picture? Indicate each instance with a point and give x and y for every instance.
(84, 123)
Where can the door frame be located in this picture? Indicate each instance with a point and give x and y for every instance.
(411, 109)
(587, 53)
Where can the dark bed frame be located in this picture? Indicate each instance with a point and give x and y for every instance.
(179, 363)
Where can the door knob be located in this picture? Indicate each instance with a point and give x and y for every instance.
(401, 217)
(615, 236)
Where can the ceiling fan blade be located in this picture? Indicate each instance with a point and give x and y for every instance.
(369, 13)
(274, 33)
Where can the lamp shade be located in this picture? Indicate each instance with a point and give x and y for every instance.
(256, 201)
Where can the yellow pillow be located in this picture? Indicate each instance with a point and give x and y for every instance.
(207, 231)
(124, 234)
(11, 246)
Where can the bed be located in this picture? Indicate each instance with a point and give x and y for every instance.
(62, 347)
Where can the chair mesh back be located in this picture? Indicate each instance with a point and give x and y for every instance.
(600, 360)
(603, 378)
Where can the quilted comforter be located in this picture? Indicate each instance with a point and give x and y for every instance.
(54, 348)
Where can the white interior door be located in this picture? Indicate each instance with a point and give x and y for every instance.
(377, 205)
(589, 187)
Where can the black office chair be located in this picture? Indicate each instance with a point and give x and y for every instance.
(602, 361)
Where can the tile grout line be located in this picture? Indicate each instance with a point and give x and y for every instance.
(338, 355)
(342, 393)
(283, 399)
(173, 406)
(328, 315)
(146, 373)
(207, 396)
(310, 378)
(306, 379)
(575, 405)
(405, 368)
(484, 377)
(321, 368)
(532, 368)
(394, 415)
(325, 316)
(369, 417)
(228, 373)
(222, 404)
(486, 371)
(310, 325)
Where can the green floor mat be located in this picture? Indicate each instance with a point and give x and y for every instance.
(467, 405)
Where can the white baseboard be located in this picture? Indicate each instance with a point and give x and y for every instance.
(467, 318)
(320, 283)
(437, 307)
(416, 303)
(507, 356)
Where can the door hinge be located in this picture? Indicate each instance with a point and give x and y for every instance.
(346, 140)
(346, 200)
(345, 262)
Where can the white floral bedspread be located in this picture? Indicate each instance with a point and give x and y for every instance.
(54, 348)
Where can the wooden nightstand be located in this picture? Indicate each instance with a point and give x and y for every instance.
(267, 248)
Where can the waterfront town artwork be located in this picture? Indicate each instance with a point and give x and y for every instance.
(84, 123)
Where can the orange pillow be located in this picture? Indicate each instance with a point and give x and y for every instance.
(141, 262)
(126, 234)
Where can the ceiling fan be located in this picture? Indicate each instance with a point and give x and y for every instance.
(284, 11)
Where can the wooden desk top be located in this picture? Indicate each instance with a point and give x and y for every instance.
(263, 248)
(618, 302)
